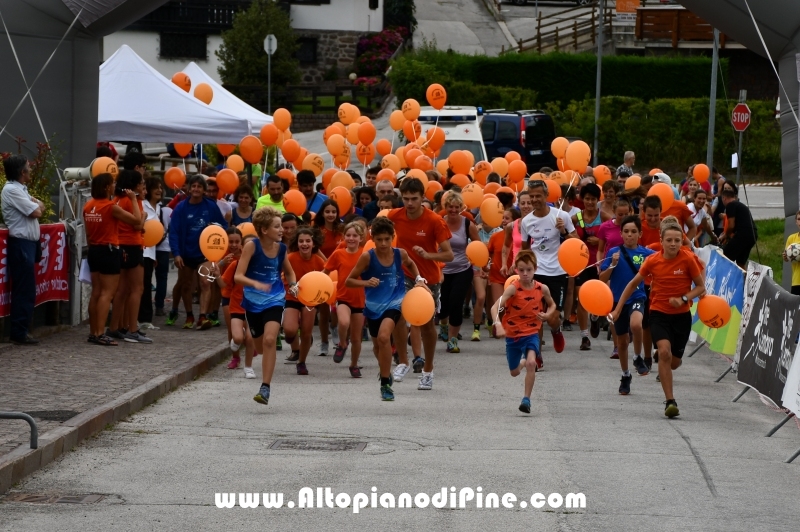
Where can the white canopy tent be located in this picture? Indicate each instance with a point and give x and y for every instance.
(136, 103)
(226, 101)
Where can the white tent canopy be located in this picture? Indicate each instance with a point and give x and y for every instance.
(136, 103)
(225, 101)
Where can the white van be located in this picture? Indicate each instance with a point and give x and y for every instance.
(461, 126)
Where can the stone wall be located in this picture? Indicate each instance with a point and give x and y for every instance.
(335, 49)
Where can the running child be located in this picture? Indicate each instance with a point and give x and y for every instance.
(327, 222)
(672, 272)
(522, 308)
(217, 271)
(380, 272)
(259, 271)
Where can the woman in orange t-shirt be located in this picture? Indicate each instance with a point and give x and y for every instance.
(672, 272)
(349, 301)
(304, 258)
(101, 217)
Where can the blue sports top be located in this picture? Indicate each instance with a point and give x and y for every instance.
(268, 271)
(389, 294)
(623, 273)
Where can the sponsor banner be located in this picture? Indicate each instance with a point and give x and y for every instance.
(724, 279)
(755, 274)
(52, 270)
(771, 339)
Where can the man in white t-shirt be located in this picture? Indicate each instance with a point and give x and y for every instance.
(701, 219)
(542, 232)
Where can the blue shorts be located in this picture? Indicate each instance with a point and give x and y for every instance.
(623, 324)
(517, 349)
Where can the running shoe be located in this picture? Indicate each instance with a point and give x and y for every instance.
(323, 349)
(173, 315)
(586, 344)
(658, 377)
(386, 393)
(278, 344)
(302, 369)
(426, 382)
(573, 318)
(160, 311)
(466, 312)
(338, 353)
(615, 354)
(476, 335)
(649, 363)
(594, 327)
(204, 324)
(249, 373)
(118, 334)
(418, 364)
(214, 319)
(355, 372)
(442, 333)
(263, 395)
(566, 325)
(138, 337)
(400, 372)
(459, 336)
(525, 405)
(293, 357)
(189, 324)
(671, 409)
(234, 363)
(558, 341)
(641, 366)
(452, 346)
(625, 385)
(539, 363)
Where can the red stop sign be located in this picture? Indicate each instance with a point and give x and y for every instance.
(740, 118)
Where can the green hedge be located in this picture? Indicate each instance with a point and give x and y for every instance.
(556, 77)
(672, 133)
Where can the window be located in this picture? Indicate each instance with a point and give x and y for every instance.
(183, 46)
(539, 128)
(488, 128)
(307, 50)
(507, 131)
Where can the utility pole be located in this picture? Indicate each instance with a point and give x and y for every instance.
(712, 106)
(600, 30)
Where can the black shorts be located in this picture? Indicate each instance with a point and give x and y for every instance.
(132, 256)
(353, 310)
(374, 326)
(623, 324)
(104, 259)
(586, 275)
(646, 313)
(294, 304)
(238, 316)
(674, 328)
(557, 284)
(256, 321)
(226, 301)
(796, 290)
(193, 264)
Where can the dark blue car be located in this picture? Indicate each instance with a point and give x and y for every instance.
(528, 132)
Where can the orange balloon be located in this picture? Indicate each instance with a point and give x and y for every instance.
(342, 179)
(251, 149)
(492, 211)
(298, 162)
(411, 109)
(269, 134)
(365, 153)
(559, 147)
(385, 212)
(500, 166)
(334, 275)
(235, 163)
(654, 171)
(410, 155)
(182, 80)
(383, 147)
(226, 149)
(342, 161)
(348, 113)
(247, 228)
(460, 180)
(512, 156)
(401, 156)
(153, 233)
(435, 137)
(412, 130)
(477, 253)
(573, 256)
(386, 174)
(601, 174)
(436, 95)
(553, 191)
(342, 198)
(330, 130)
(418, 174)
(506, 190)
(363, 119)
(174, 178)
(183, 149)
(517, 170)
(314, 288)
(664, 193)
(366, 133)
(517, 186)
(392, 162)
(352, 132)
(701, 174)
(313, 162)
(571, 178)
(510, 280)
(472, 195)
(470, 158)
(288, 175)
(418, 306)
(633, 182)
(227, 181)
(442, 166)
(282, 119)
(459, 162)
(423, 162)
(213, 243)
(294, 202)
(431, 189)
(397, 120)
(578, 155)
(491, 188)
(290, 149)
(370, 244)
(204, 93)
(481, 171)
(562, 165)
(327, 175)
(336, 144)
(596, 297)
(713, 311)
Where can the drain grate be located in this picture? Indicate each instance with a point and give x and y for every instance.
(317, 445)
(41, 498)
(53, 415)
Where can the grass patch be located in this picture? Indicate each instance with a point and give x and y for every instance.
(770, 246)
(304, 105)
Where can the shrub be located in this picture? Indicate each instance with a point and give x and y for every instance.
(43, 170)
(373, 51)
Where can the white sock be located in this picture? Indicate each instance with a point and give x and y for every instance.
(635, 356)
(584, 333)
(235, 347)
(626, 373)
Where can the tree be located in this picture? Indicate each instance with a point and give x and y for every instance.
(242, 56)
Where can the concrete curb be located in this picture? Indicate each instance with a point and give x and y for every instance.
(23, 460)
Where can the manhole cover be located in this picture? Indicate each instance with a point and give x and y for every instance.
(53, 415)
(317, 445)
(40, 498)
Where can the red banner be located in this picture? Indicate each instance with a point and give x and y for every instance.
(52, 271)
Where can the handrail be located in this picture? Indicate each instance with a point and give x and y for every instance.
(31, 422)
(566, 35)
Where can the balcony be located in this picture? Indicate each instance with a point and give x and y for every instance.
(196, 16)
(676, 27)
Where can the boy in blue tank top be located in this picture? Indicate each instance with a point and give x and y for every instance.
(380, 272)
(259, 271)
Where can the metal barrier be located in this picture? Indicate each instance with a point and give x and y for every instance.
(31, 422)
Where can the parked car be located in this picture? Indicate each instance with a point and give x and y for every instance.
(461, 127)
(528, 132)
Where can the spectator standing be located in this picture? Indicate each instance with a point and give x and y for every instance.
(154, 191)
(306, 182)
(629, 159)
(274, 196)
(739, 235)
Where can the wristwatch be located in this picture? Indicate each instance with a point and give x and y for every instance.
(684, 299)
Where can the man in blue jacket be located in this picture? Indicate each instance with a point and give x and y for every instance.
(188, 220)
